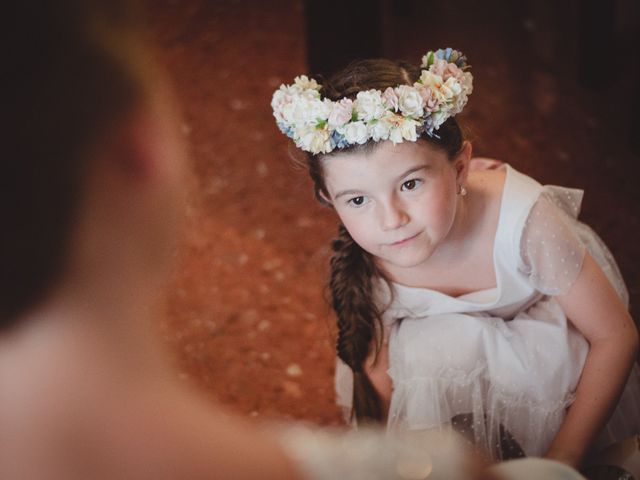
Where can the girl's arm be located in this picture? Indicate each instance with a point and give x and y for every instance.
(595, 309)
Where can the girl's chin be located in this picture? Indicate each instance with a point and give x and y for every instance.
(403, 261)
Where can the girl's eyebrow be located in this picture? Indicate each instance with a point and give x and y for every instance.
(400, 177)
(413, 170)
(346, 192)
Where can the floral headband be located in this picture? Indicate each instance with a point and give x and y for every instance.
(319, 125)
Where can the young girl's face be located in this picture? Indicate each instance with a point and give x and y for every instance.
(398, 202)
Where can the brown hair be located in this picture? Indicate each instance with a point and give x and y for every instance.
(71, 68)
(353, 270)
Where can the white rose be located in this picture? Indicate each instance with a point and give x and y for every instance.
(355, 132)
(466, 86)
(458, 103)
(379, 130)
(395, 135)
(451, 88)
(408, 129)
(442, 92)
(289, 113)
(305, 109)
(430, 80)
(410, 101)
(278, 101)
(318, 110)
(387, 127)
(296, 111)
(369, 105)
(340, 112)
(303, 82)
(313, 140)
(281, 99)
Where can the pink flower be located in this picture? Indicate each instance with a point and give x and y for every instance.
(439, 66)
(452, 70)
(445, 69)
(430, 101)
(390, 98)
(340, 113)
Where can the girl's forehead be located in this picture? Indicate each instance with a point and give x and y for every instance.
(384, 158)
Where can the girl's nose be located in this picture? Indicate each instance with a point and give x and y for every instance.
(394, 216)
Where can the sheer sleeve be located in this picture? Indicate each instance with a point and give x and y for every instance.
(550, 249)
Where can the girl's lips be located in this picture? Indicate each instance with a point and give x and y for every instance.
(406, 240)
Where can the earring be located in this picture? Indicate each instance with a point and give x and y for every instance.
(462, 191)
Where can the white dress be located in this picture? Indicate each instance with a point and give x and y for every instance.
(501, 364)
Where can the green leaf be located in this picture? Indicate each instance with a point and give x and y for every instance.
(320, 124)
(430, 58)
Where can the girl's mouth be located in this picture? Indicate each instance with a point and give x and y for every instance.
(404, 241)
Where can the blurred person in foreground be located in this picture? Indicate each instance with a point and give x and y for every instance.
(92, 194)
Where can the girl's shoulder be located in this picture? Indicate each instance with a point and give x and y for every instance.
(489, 181)
(500, 187)
(487, 188)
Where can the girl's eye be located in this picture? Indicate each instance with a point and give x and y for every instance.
(357, 201)
(411, 184)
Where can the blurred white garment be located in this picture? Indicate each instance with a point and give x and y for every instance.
(370, 454)
(535, 469)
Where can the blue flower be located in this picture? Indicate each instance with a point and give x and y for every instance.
(429, 125)
(338, 140)
(287, 130)
(452, 56)
(444, 54)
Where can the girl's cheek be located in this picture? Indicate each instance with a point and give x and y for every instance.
(356, 229)
(360, 231)
(344, 217)
(439, 211)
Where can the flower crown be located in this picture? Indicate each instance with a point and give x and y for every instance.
(319, 125)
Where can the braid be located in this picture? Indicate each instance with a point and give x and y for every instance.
(352, 273)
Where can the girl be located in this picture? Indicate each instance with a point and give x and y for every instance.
(469, 297)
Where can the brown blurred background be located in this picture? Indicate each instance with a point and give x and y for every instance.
(557, 95)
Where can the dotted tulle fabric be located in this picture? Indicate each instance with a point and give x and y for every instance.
(551, 252)
(554, 243)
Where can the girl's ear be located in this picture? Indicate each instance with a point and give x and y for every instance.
(150, 147)
(461, 163)
(131, 148)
